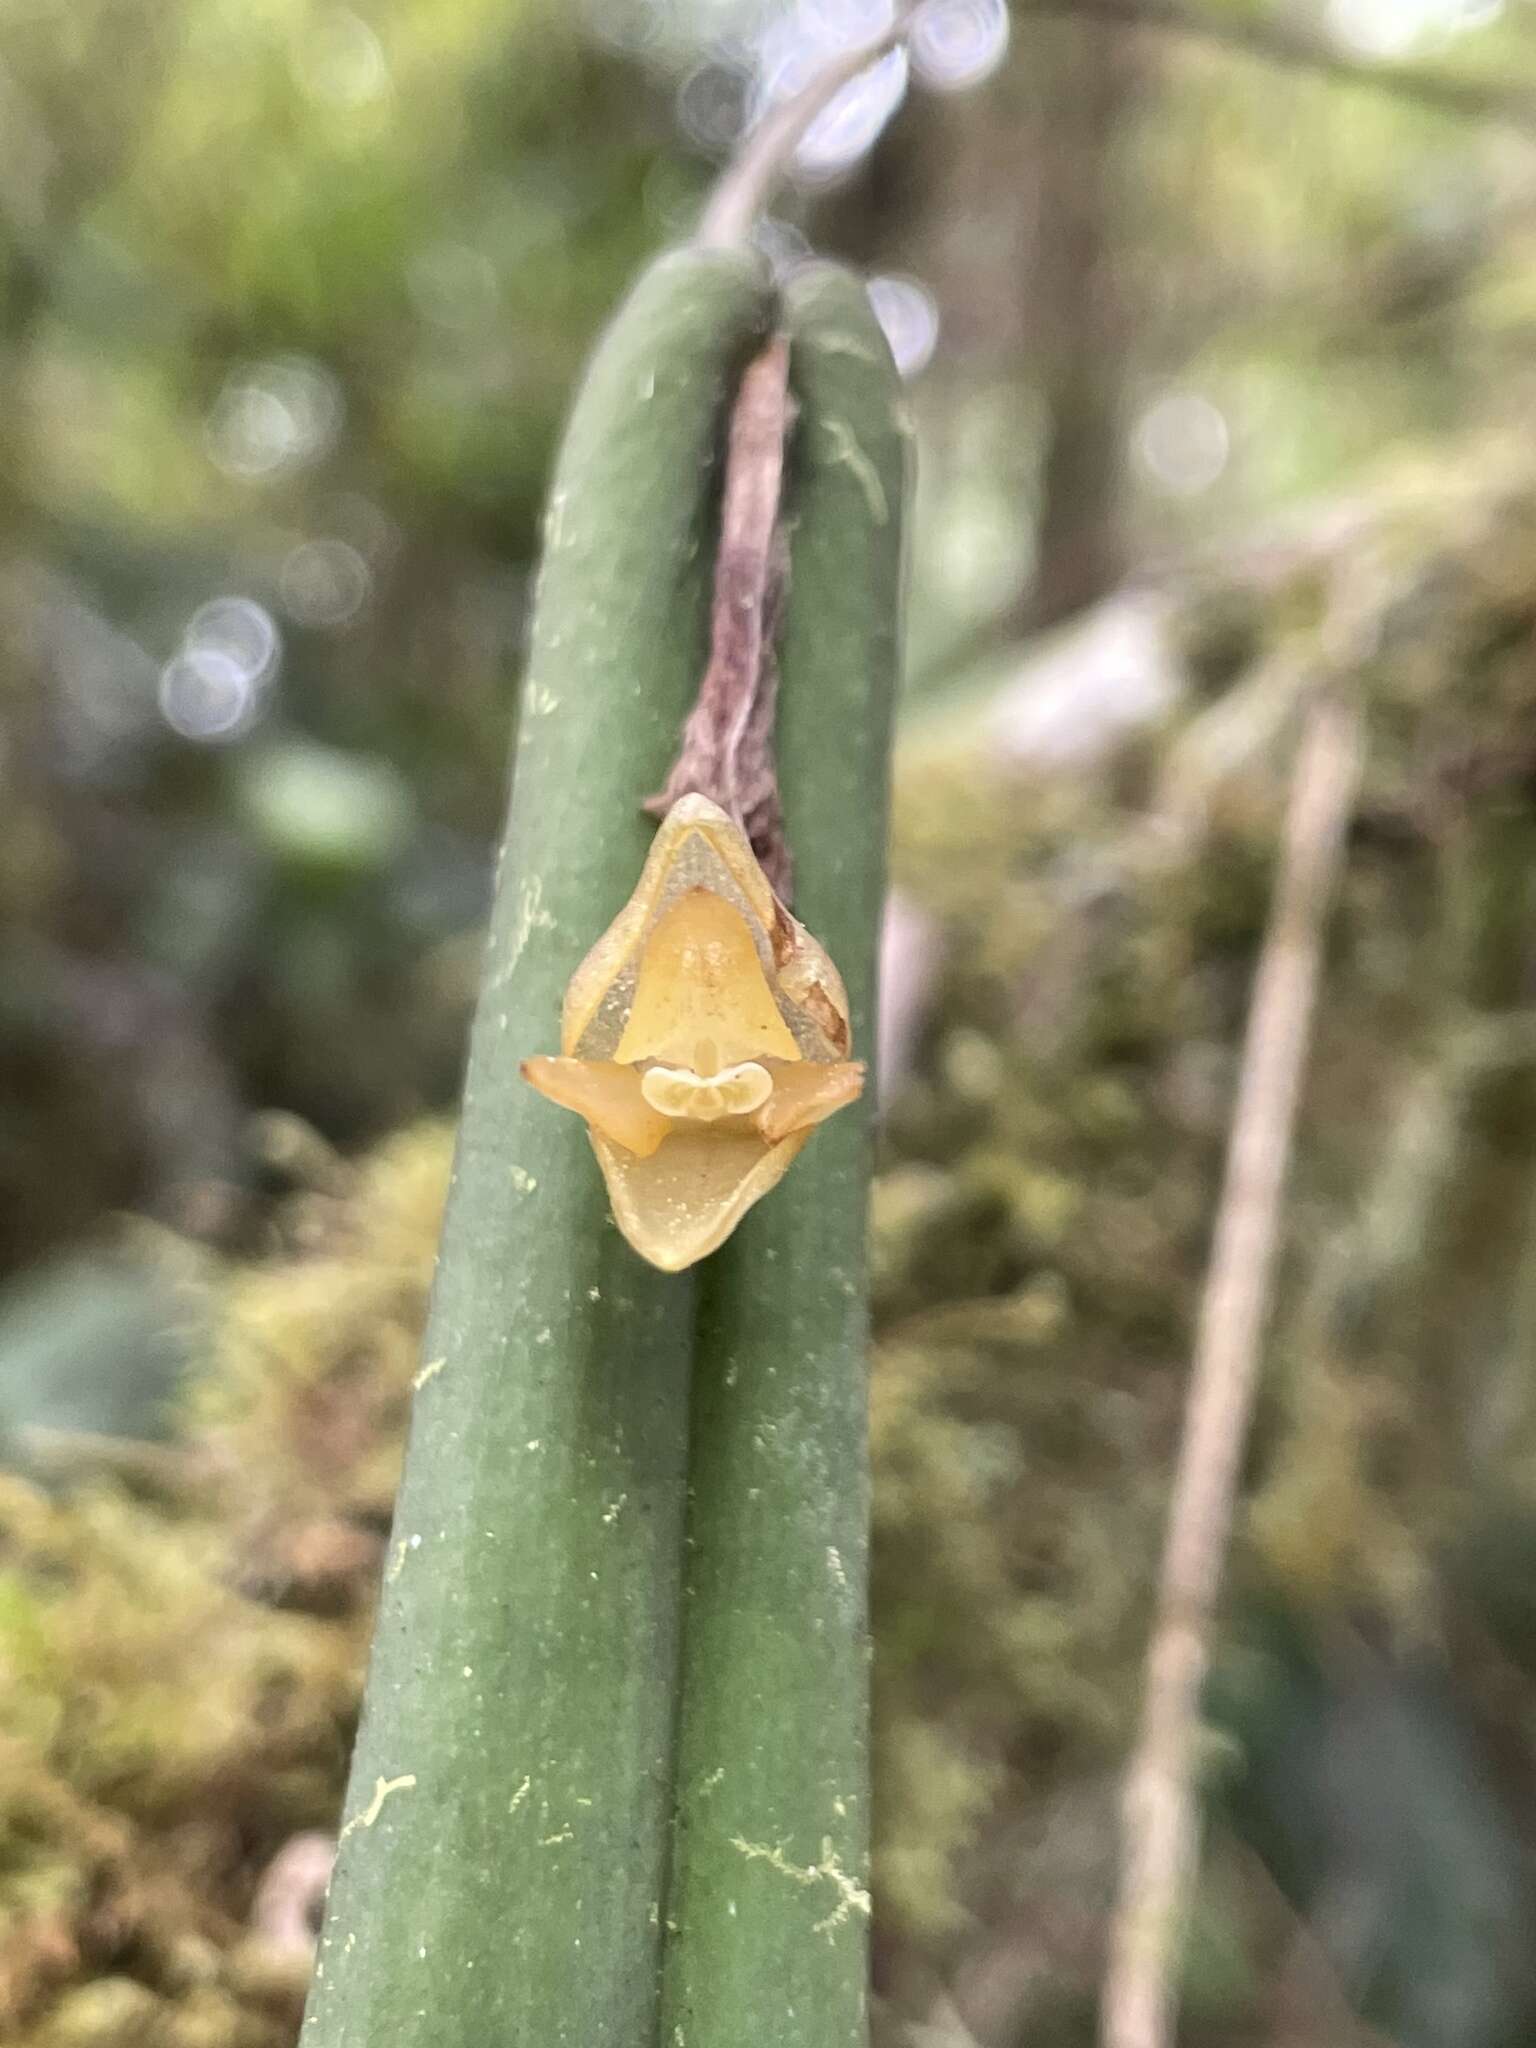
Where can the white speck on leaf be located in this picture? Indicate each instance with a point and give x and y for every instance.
(531, 917)
(382, 1790)
(851, 1897)
(846, 450)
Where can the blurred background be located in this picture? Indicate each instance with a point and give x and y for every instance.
(1217, 316)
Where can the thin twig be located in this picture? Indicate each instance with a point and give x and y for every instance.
(727, 745)
(1275, 39)
(1159, 1832)
(748, 182)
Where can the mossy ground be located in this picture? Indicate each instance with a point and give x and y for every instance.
(180, 1671)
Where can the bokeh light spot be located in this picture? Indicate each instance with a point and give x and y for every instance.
(957, 43)
(782, 243)
(1395, 28)
(273, 416)
(909, 316)
(1182, 443)
(843, 24)
(799, 45)
(340, 62)
(240, 631)
(212, 689)
(850, 126)
(324, 583)
(712, 104)
(206, 696)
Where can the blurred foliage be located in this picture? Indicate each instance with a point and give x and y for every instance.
(289, 306)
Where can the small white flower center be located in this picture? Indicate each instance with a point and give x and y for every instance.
(733, 1091)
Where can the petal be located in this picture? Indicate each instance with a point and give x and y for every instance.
(683, 1202)
(702, 999)
(606, 1094)
(806, 1094)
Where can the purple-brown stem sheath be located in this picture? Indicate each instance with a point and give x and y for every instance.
(727, 744)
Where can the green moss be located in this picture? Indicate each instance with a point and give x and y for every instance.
(179, 1678)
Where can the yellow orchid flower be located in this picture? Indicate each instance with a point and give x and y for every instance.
(703, 1038)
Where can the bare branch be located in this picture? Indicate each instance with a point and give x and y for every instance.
(1159, 1831)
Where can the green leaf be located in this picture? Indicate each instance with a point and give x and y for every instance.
(508, 1819)
(769, 1901)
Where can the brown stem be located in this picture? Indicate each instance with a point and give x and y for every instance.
(727, 744)
(1159, 1834)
